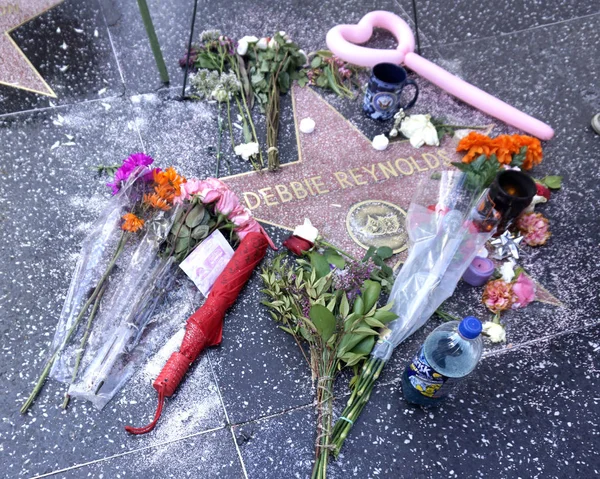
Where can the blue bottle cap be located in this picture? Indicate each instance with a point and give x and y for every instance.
(469, 327)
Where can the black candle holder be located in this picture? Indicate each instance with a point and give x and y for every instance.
(511, 192)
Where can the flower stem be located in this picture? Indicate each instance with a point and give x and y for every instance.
(463, 127)
(249, 115)
(358, 400)
(83, 344)
(341, 251)
(220, 126)
(46, 371)
(230, 133)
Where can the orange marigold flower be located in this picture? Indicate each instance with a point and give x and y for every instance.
(476, 151)
(473, 139)
(505, 147)
(534, 150)
(156, 201)
(132, 223)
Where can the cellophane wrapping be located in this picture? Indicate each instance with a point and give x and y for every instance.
(447, 224)
(123, 333)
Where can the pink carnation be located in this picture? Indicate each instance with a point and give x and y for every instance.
(534, 228)
(497, 296)
(523, 291)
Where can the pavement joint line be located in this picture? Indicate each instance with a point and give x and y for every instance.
(112, 46)
(535, 27)
(237, 447)
(127, 453)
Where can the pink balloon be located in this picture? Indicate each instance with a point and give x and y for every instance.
(342, 40)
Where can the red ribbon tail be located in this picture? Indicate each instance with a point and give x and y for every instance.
(149, 427)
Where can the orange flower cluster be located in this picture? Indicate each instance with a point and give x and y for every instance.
(132, 223)
(503, 146)
(167, 187)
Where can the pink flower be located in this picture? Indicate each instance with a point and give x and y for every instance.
(240, 215)
(252, 226)
(211, 190)
(534, 227)
(227, 202)
(188, 189)
(497, 296)
(523, 291)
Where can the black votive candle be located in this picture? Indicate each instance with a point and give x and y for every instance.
(511, 192)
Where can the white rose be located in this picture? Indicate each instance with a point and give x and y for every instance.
(380, 142)
(536, 200)
(246, 150)
(495, 332)
(249, 39)
(262, 44)
(306, 231)
(419, 130)
(242, 47)
(507, 270)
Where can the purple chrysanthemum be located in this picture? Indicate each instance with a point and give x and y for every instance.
(133, 163)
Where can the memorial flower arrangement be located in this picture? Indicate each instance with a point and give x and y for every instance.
(159, 217)
(328, 302)
(273, 64)
(219, 74)
(328, 71)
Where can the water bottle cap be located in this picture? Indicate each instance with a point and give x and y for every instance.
(469, 327)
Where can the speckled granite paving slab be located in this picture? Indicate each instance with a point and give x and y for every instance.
(532, 412)
(71, 49)
(502, 423)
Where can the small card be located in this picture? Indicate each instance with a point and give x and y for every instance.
(207, 261)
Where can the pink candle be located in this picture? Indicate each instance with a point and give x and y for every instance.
(479, 271)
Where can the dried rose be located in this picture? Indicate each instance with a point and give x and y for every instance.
(534, 228)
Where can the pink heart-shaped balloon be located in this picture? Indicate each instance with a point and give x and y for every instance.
(343, 39)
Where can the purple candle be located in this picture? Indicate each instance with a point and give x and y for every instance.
(479, 271)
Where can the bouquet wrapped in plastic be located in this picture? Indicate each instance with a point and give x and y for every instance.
(448, 223)
(154, 220)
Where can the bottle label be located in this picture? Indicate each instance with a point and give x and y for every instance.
(427, 380)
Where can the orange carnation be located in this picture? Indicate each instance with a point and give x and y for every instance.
(132, 223)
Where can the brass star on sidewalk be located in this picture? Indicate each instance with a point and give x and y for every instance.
(15, 69)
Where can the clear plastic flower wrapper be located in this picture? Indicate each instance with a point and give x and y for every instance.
(132, 293)
(447, 223)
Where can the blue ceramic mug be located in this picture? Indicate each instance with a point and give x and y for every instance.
(382, 98)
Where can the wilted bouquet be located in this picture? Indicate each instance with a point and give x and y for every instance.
(328, 303)
(273, 64)
(220, 75)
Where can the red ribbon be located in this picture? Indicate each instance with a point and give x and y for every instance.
(205, 327)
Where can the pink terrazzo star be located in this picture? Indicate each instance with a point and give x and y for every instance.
(356, 196)
(15, 69)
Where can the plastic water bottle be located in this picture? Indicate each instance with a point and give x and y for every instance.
(448, 354)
